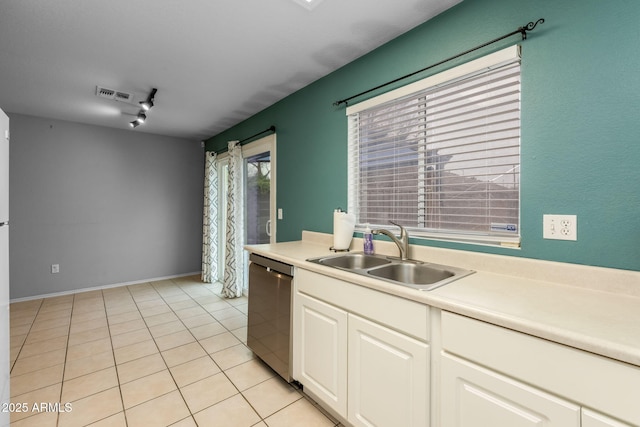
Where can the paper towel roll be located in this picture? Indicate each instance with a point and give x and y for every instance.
(343, 226)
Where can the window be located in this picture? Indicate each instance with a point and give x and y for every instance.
(442, 156)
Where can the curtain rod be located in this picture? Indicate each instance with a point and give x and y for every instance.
(270, 129)
(222, 150)
(522, 30)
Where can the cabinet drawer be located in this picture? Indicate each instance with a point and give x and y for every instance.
(473, 396)
(591, 380)
(408, 317)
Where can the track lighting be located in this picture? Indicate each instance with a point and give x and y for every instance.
(146, 106)
(148, 103)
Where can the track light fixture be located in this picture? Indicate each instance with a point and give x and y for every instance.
(146, 106)
(148, 103)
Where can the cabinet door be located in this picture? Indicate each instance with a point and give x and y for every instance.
(476, 397)
(388, 377)
(320, 337)
(594, 419)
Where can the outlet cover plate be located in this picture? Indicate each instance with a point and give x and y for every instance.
(560, 227)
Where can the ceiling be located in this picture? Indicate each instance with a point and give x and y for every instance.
(214, 62)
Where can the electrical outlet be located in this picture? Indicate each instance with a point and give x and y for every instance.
(55, 268)
(560, 227)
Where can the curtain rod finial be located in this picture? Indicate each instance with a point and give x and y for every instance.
(529, 27)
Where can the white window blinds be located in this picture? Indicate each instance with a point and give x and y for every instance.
(444, 161)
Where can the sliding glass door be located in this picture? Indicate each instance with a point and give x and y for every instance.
(259, 173)
(257, 193)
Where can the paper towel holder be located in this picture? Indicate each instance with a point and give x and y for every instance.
(333, 248)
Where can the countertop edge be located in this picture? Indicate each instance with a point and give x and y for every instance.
(564, 330)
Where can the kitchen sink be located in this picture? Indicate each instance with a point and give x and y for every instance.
(355, 261)
(415, 274)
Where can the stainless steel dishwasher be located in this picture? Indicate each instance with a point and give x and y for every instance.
(269, 315)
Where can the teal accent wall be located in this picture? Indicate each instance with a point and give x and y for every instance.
(580, 120)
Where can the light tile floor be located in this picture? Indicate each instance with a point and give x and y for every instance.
(167, 353)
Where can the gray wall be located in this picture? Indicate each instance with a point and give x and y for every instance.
(110, 206)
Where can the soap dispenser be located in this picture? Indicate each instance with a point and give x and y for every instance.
(368, 241)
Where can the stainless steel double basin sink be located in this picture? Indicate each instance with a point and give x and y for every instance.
(419, 275)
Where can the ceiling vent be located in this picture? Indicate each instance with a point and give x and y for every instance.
(123, 96)
(116, 95)
(103, 92)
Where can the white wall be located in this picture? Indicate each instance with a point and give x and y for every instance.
(110, 206)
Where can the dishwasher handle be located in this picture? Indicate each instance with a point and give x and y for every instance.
(272, 264)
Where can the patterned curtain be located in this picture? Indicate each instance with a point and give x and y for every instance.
(210, 220)
(234, 255)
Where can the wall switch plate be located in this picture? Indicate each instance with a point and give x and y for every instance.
(55, 268)
(279, 213)
(560, 227)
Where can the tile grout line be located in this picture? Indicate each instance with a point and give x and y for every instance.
(73, 306)
(239, 392)
(262, 419)
(25, 337)
(66, 353)
(113, 354)
(178, 388)
(163, 359)
(208, 354)
(221, 370)
(192, 298)
(22, 347)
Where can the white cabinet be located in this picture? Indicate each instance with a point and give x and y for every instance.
(374, 359)
(476, 397)
(388, 376)
(507, 378)
(320, 341)
(593, 419)
(368, 373)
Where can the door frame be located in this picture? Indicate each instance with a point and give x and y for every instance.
(267, 143)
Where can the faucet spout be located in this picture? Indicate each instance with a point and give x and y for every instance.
(402, 242)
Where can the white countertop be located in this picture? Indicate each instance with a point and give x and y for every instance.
(592, 309)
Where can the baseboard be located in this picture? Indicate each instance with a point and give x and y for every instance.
(96, 288)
